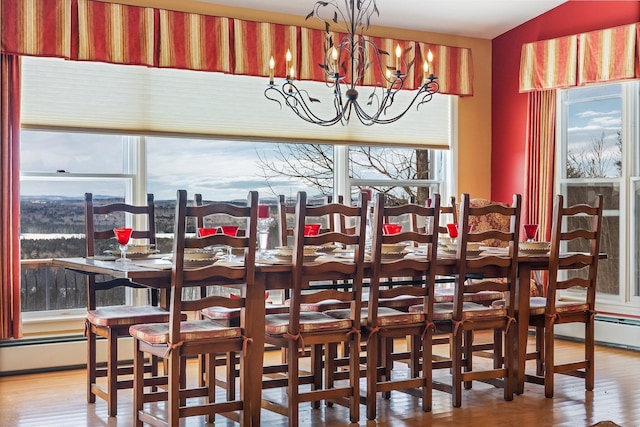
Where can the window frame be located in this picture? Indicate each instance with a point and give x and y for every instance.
(625, 302)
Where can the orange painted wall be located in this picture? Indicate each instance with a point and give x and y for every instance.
(509, 107)
(474, 130)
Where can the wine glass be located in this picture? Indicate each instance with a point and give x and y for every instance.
(453, 231)
(264, 222)
(229, 230)
(207, 231)
(123, 235)
(530, 230)
(311, 229)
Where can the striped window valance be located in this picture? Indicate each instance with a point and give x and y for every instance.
(110, 32)
(599, 56)
(608, 55)
(125, 34)
(548, 64)
(36, 27)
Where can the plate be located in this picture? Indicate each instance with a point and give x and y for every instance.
(194, 262)
(534, 251)
(469, 252)
(326, 248)
(199, 262)
(393, 255)
(393, 248)
(534, 246)
(133, 255)
(305, 258)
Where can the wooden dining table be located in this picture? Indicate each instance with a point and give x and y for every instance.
(155, 272)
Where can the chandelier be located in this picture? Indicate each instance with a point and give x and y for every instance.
(345, 63)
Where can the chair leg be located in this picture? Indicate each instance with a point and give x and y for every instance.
(372, 375)
(155, 362)
(386, 361)
(331, 355)
(91, 364)
(292, 384)
(316, 370)
(354, 379)
(456, 368)
(509, 360)
(549, 363)
(138, 382)
(231, 375)
(415, 350)
(210, 360)
(175, 379)
(498, 353)
(539, 351)
(183, 377)
(589, 355)
(427, 371)
(468, 355)
(112, 373)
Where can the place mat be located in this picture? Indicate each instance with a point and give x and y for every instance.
(224, 263)
(156, 263)
(103, 257)
(273, 261)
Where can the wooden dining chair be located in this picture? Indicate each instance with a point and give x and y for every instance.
(298, 329)
(573, 264)
(177, 339)
(113, 322)
(499, 274)
(382, 324)
(286, 222)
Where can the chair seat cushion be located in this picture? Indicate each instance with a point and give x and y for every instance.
(127, 315)
(278, 324)
(446, 295)
(225, 313)
(387, 316)
(329, 304)
(470, 310)
(193, 330)
(537, 306)
(402, 302)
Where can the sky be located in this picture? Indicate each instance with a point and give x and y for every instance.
(220, 170)
(595, 112)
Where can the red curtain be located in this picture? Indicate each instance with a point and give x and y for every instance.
(540, 164)
(10, 325)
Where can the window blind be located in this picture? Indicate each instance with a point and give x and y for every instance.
(135, 99)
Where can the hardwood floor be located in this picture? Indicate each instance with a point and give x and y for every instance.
(58, 399)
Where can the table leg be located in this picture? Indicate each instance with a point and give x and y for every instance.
(251, 364)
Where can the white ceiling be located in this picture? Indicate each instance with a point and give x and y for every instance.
(484, 19)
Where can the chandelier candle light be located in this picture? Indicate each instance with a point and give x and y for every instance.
(346, 61)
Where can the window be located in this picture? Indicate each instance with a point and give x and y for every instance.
(597, 153)
(59, 163)
(57, 168)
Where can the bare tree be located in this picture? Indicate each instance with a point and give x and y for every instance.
(594, 163)
(313, 165)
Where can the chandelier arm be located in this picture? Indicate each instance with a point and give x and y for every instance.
(267, 95)
(294, 98)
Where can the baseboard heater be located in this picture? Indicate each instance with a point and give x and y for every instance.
(610, 331)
